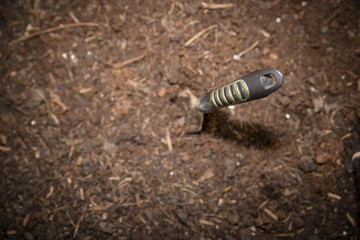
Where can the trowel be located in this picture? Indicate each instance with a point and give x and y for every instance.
(255, 85)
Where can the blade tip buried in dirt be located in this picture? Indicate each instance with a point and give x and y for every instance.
(194, 121)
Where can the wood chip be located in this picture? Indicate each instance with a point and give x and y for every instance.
(263, 204)
(26, 220)
(214, 6)
(51, 191)
(205, 222)
(82, 195)
(72, 148)
(168, 140)
(334, 196)
(101, 208)
(56, 99)
(79, 161)
(285, 235)
(265, 34)
(5, 149)
(3, 139)
(138, 200)
(228, 188)
(271, 214)
(85, 90)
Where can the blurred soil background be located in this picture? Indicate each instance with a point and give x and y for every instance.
(92, 141)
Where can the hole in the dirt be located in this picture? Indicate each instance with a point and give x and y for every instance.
(269, 80)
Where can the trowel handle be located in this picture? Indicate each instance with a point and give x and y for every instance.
(252, 86)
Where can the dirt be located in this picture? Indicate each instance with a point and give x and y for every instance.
(92, 127)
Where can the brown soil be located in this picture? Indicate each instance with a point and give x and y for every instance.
(92, 129)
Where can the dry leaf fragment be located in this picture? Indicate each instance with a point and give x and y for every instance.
(207, 175)
(318, 104)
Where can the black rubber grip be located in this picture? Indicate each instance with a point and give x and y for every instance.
(252, 86)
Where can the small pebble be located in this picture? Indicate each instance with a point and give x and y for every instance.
(236, 57)
(185, 157)
(287, 116)
(321, 159)
(171, 173)
(73, 58)
(274, 56)
(33, 122)
(64, 55)
(278, 20)
(162, 92)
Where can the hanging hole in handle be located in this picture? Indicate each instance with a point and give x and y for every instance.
(269, 80)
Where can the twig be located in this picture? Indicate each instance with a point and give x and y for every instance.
(72, 15)
(199, 34)
(327, 83)
(351, 220)
(135, 59)
(54, 29)
(217, 5)
(78, 222)
(333, 16)
(271, 214)
(238, 56)
(69, 216)
(263, 204)
(127, 62)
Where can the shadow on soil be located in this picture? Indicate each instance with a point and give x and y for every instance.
(247, 134)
